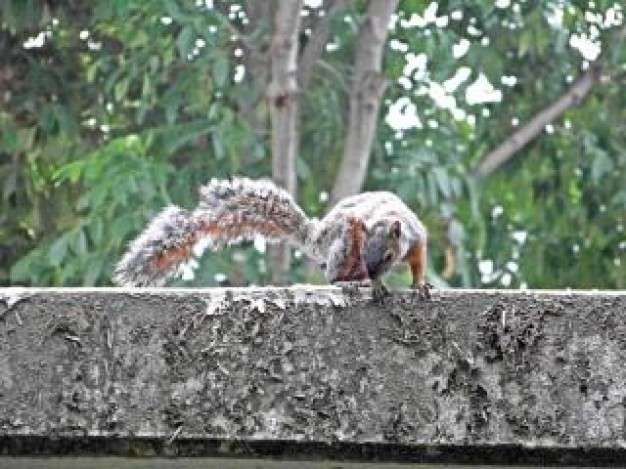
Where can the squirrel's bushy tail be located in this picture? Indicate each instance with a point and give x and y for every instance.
(230, 211)
(157, 252)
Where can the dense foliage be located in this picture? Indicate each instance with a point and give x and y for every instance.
(111, 109)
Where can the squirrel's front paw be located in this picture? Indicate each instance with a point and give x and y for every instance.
(423, 290)
(379, 292)
(349, 287)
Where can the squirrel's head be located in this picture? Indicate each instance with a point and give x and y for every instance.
(382, 247)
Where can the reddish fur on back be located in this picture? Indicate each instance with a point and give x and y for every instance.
(354, 268)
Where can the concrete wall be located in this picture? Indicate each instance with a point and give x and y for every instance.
(311, 372)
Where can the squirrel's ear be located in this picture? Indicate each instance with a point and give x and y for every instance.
(394, 229)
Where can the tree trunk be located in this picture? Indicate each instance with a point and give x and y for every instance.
(282, 95)
(368, 86)
(309, 58)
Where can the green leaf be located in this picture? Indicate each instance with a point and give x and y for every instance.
(602, 164)
(94, 270)
(71, 171)
(9, 139)
(220, 70)
(456, 232)
(83, 202)
(146, 88)
(184, 41)
(22, 270)
(525, 42)
(58, 250)
(174, 11)
(79, 244)
(171, 113)
(121, 89)
(442, 181)
(9, 185)
(302, 169)
(47, 119)
(96, 230)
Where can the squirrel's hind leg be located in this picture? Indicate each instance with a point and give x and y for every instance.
(416, 257)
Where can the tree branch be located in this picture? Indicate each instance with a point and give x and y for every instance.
(574, 96)
(507, 150)
(317, 42)
(368, 86)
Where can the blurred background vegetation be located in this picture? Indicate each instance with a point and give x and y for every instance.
(110, 109)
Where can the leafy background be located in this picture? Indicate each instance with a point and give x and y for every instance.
(111, 109)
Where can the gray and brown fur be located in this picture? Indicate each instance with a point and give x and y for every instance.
(394, 234)
(231, 211)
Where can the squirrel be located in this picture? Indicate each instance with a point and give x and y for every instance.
(358, 240)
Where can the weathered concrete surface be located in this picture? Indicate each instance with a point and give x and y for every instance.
(468, 376)
(116, 462)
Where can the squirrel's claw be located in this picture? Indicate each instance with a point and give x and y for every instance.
(350, 288)
(423, 290)
(379, 292)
